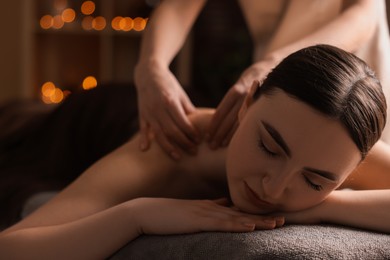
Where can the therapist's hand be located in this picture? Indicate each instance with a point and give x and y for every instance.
(163, 111)
(225, 119)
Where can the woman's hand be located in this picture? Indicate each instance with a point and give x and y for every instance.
(163, 111)
(225, 120)
(172, 216)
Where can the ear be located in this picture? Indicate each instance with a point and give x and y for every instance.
(248, 100)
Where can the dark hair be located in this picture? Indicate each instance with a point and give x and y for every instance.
(336, 83)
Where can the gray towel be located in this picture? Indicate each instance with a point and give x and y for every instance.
(289, 242)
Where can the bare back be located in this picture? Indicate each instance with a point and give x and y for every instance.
(127, 173)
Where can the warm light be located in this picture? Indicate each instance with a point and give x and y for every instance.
(99, 23)
(88, 7)
(46, 100)
(115, 23)
(89, 82)
(87, 23)
(58, 23)
(126, 24)
(47, 89)
(51, 94)
(46, 21)
(139, 24)
(57, 96)
(68, 15)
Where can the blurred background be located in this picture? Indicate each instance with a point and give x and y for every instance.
(53, 48)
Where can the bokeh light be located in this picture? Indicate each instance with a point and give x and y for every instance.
(68, 15)
(58, 23)
(57, 96)
(48, 88)
(139, 24)
(126, 24)
(87, 23)
(46, 21)
(88, 7)
(51, 94)
(115, 23)
(89, 82)
(99, 23)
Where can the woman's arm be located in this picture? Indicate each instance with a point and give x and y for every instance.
(107, 206)
(87, 219)
(366, 209)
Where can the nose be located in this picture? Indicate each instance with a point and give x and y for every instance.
(276, 184)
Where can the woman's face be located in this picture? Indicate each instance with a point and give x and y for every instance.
(286, 156)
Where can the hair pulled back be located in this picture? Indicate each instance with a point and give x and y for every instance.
(336, 83)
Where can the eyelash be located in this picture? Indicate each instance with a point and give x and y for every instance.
(265, 149)
(272, 154)
(312, 185)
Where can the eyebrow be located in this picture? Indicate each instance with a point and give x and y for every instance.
(277, 137)
(280, 141)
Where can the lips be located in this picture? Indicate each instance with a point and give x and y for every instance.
(254, 199)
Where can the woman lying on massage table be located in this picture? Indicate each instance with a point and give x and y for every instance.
(303, 134)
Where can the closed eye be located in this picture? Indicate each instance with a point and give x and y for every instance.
(265, 149)
(312, 185)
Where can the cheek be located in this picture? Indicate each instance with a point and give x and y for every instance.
(242, 156)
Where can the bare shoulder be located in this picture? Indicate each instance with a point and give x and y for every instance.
(128, 173)
(201, 118)
(374, 171)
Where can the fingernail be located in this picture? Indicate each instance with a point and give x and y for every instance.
(175, 155)
(279, 221)
(269, 220)
(249, 225)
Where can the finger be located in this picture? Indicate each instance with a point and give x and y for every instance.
(187, 105)
(229, 136)
(280, 221)
(222, 201)
(225, 127)
(223, 108)
(144, 142)
(177, 136)
(173, 151)
(179, 115)
(232, 226)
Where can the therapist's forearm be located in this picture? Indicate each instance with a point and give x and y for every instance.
(349, 30)
(167, 29)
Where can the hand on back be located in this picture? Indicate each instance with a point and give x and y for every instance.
(225, 120)
(163, 110)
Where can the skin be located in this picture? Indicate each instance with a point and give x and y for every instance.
(287, 180)
(165, 107)
(123, 195)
